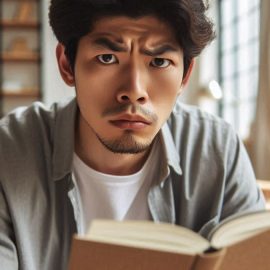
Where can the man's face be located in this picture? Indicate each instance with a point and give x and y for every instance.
(128, 74)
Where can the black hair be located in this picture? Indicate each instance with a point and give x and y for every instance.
(73, 19)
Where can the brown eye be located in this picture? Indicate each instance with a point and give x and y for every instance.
(107, 59)
(160, 62)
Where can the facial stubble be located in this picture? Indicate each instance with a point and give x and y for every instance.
(127, 144)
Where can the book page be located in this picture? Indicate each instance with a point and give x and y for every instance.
(241, 227)
(159, 236)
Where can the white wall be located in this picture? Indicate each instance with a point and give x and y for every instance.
(54, 89)
(209, 57)
(204, 71)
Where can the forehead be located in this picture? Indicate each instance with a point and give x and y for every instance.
(124, 28)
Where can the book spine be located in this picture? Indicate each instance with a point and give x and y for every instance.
(209, 261)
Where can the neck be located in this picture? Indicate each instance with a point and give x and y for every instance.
(97, 156)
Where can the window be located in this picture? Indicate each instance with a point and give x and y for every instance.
(239, 61)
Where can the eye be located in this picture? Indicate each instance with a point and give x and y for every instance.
(107, 59)
(160, 62)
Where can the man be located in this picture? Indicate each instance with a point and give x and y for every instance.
(124, 148)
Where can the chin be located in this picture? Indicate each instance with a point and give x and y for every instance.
(126, 144)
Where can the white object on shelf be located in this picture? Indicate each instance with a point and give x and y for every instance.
(12, 87)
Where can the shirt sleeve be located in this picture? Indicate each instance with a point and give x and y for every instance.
(242, 193)
(231, 187)
(8, 252)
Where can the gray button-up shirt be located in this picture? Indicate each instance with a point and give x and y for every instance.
(204, 176)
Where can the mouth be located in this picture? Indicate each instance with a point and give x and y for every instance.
(131, 122)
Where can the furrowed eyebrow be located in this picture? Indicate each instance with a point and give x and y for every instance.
(160, 50)
(108, 44)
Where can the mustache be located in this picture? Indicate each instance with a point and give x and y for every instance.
(134, 109)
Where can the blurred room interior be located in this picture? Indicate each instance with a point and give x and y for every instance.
(230, 79)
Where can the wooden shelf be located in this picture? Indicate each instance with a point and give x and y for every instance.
(20, 26)
(10, 57)
(19, 0)
(23, 93)
(13, 24)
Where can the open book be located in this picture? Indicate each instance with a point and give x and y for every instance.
(240, 242)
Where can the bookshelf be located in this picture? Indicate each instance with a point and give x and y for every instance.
(10, 24)
(20, 53)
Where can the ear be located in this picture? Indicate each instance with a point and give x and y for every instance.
(64, 65)
(187, 76)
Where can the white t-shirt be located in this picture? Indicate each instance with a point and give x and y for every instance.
(114, 197)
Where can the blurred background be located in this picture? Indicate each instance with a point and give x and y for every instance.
(230, 79)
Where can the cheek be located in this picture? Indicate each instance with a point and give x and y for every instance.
(174, 78)
(93, 84)
(166, 87)
(165, 90)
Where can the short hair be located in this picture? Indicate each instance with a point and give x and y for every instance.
(72, 19)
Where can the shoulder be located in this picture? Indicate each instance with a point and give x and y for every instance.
(23, 117)
(30, 121)
(21, 124)
(195, 115)
(201, 138)
(197, 125)
(27, 134)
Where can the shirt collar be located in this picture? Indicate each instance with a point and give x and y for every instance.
(169, 148)
(63, 139)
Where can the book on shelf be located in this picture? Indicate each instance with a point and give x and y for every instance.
(239, 243)
(24, 12)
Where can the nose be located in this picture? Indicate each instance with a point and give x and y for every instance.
(134, 87)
